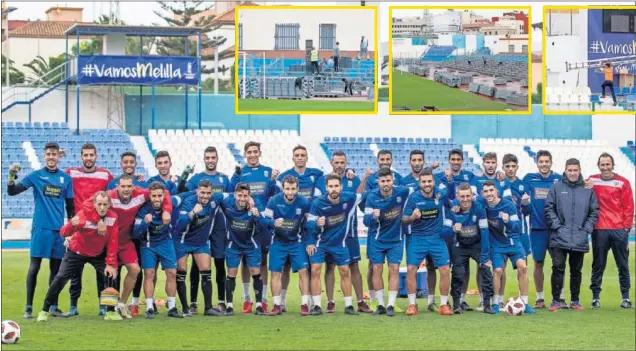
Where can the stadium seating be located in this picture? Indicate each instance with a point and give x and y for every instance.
(438, 53)
(286, 67)
(24, 143)
(513, 66)
(586, 151)
(581, 99)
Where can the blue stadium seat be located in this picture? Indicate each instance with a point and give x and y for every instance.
(64, 125)
(10, 125)
(327, 139)
(335, 139)
(394, 140)
(19, 125)
(368, 140)
(377, 140)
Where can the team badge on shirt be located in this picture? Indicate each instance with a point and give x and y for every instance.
(465, 176)
(221, 180)
(398, 199)
(474, 218)
(62, 180)
(298, 211)
(437, 201)
(311, 178)
(350, 183)
(344, 207)
(266, 173)
(520, 187)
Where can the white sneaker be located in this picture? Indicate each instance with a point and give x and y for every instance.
(123, 310)
(480, 308)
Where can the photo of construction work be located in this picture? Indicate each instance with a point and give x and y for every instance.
(590, 59)
(460, 60)
(306, 59)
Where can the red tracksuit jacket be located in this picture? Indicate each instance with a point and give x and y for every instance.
(616, 202)
(85, 185)
(86, 242)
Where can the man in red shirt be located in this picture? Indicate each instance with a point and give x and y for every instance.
(87, 180)
(88, 245)
(616, 204)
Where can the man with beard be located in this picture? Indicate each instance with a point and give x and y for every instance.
(262, 182)
(428, 216)
(191, 233)
(350, 183)
(539, 185)
(383, 217)
(218, 240)
(156, 246)
(416, 160)
(52, 191)
(87, 181)
(616, 216)
(163, 163)
(504, 228)
(87, 245)
(307, 178)
(286, 214)
(328, 222)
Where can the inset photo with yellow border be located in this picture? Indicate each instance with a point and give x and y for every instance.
(306, 59)
(463, 60)
(589, 59)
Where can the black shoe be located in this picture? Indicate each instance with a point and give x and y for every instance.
(466, 307)
(150, 314)
(596, 304)
(390, 311)
(458, 309)
(488, 309)
(154, 307)
(316, 311)
(229, 311)
(379, 310)
(212, 312)
(259, 311)
(563, 305)
(350, 310)
(28, 313)
(627, 304)
(174, 313)
(57, 313)
(193, 308)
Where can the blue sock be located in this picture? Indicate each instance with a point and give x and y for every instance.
(53, 308)
(28, 307)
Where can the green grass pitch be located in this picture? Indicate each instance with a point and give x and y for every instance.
(609, 328)
(414, 92)
(275, 105)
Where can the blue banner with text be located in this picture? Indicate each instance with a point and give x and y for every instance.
(138, 70)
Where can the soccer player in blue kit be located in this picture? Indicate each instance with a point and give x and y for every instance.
(307, 179)
(286, 214)
(218, 239)
(504, 227)
(128, 165)
(191, 236)
(157, 246)
(430, 223)
(245, 223)
(383, 218)
(163, 163)
(330, 218)
(539, 184)
(262, 182)
(52, 190)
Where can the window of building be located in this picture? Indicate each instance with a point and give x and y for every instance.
(327, 36)
(287, 36)
(511, 48)
(524, 48)
(619, 21)
(240, 35)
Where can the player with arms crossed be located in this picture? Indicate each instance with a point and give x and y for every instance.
(504, 227)
(286, 214)
(52, 190)
(329, 221)
(430, 225)
(383, 217)
(89, 244)
(470, 225)
(157, 245)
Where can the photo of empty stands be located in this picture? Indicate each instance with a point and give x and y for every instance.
(460, 60)
(590, 59)
(306, 59)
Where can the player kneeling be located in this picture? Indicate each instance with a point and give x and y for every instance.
(286, 214)
(156, 244)
(94, 240)
(505, 243)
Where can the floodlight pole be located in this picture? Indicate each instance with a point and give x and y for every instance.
(186, 87)
(199, 77)
(244, 75)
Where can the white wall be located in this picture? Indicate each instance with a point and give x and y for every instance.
(559, 50)
(259, 26)
(316, 127)
(50, 107)
(604, 127)
(566, 23)
(503, 46)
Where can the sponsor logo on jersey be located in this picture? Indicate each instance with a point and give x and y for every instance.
(430, 213)
(52, 191)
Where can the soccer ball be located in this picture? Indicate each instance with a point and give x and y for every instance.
(10, 332)
(515, 306)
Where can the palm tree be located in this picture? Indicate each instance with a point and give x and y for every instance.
(42, 69)
(15, 76)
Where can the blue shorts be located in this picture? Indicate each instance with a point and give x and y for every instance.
(420, 246)
(498, 255)
(182, 250)
(539, 240)
(266, 242)
(430, 265)
(282, 252)
(353, 246)
(163, 252)
(233, 256)
(338, 254)
(379, 253)
(525, 242)
(47, 243)
(218, 244)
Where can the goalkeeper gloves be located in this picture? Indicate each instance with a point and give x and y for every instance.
(186, 172)
(237, 170)
(13, 172)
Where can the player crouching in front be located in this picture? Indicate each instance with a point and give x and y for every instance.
(156, 244)
(94, 240)
(505, 242)
(286, 215)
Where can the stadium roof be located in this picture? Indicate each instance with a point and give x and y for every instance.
(150, 31)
